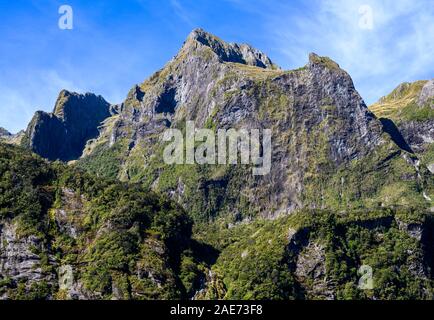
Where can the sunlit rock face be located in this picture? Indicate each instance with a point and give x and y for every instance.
(318, 120)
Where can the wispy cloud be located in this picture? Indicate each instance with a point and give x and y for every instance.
(181, 12)
(19, 101)
(399, 48)
(116, 44)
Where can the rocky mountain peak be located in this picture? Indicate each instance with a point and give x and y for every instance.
(316, 60)
(62, 99)
(4, 132)
(69, 102)
(228, 52)
(63, 133)
(333, 173)
(9, 138)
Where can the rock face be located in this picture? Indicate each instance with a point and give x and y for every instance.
(344, 188)
(62, 135)
(418, 134)
(92, 240)
(7, 137)
(311, 266)
(326, 256)
(231, 52)
(411, 107)
(21, 259)
(4, 133)
(318, 120)
(427, 94)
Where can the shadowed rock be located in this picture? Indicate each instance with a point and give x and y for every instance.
(4, 133)
(63, 134)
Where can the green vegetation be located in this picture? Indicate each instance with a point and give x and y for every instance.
(104, 161)
(119, 223)
(412, 112)
(126, 242)
(405, 95)
(325, 61)
(122, 240)
(262, 260)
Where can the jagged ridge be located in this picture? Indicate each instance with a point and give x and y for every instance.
(323, 134)
(62, 135)
(330, 154)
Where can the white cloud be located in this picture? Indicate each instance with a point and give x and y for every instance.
(181, 12)
(19, 100)
(399, 48)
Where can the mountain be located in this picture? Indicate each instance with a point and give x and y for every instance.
(65, 234)
(348, 195)
(411, 108)
(4, 133)
(7, 137)
(62, 134)
(230, 52)
(328, 149)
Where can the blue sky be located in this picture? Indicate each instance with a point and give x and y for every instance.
(117, 43)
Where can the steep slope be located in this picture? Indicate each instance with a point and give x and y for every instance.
(343, 191)
(324, 255)
(7, 137)
(328, 149)
(391, 106)
(65, 234)
(411, 108)
(62, 135)
(4, 133)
